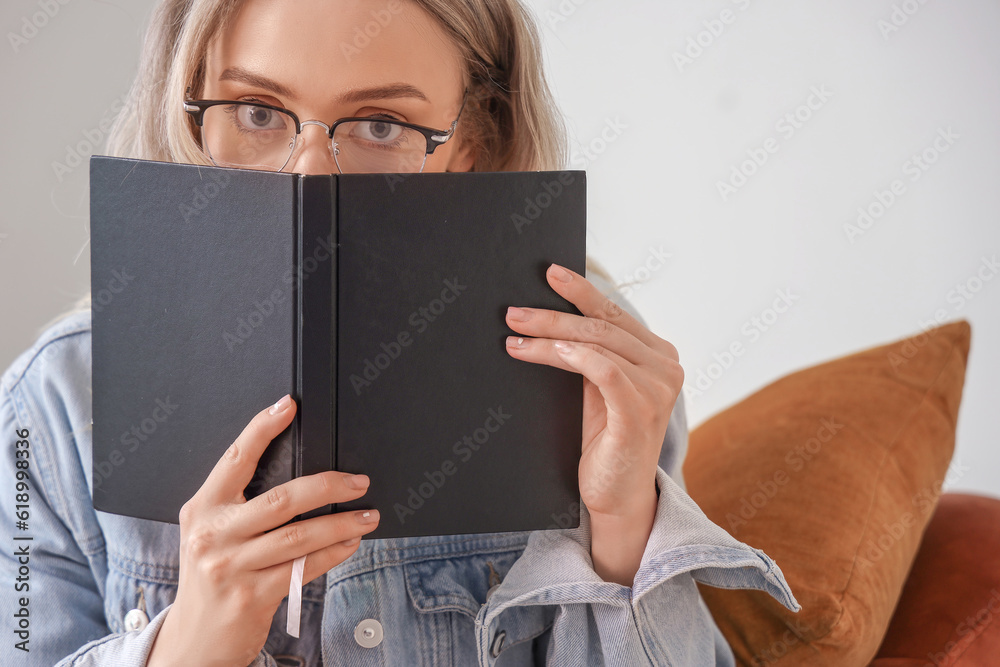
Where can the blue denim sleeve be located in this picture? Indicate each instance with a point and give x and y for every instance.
(131, 649)
(66, 552)
(58, 574)
(661, 619)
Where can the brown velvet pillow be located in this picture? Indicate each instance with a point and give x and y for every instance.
(834, 471)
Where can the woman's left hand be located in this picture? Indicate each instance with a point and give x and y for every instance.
(631, 381)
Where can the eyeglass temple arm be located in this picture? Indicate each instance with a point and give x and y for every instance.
(190, 108)
(441, 138)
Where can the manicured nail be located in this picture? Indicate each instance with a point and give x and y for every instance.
(518, 314)
(367, 516)
(516, 342)
(283, 404)
(351, 542)
(563, 347)
(357, 481)
(561, 274)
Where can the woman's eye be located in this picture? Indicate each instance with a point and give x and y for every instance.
(258, 118)
(378, 131)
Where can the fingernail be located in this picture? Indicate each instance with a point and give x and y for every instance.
(367, 516)
(516, 343)
(351, 542)
(518, 314)
(283, 404)
(356, 481)
(560, 274)
(563, 347)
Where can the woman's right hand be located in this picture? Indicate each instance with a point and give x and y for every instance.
(234, 568)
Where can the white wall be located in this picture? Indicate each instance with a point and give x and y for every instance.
(683, 126)
(63, 83)
(676, 132)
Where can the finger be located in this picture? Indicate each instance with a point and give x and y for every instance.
(317, 563)
(661, 385)
(284, 502)
(304, 537)
(602, 367)
(328, 557)
(235, 469)
(607, 375)
(592, 303)
(544, 351)
(542, 323)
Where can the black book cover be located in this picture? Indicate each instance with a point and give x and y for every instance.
(376, 300)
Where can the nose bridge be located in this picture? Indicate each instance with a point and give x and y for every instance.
(326, 128)
(316, 159)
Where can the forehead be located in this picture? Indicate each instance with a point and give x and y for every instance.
(319, 48)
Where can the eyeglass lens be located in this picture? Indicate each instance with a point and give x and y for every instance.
(248, 136)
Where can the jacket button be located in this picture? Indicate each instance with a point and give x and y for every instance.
(497, 644)
(368, 633)
(136, 619)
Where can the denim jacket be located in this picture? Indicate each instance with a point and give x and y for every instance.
(99, 585)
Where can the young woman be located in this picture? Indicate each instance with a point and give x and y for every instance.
(619, 590)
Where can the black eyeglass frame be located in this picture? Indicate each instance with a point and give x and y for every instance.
(434, 137)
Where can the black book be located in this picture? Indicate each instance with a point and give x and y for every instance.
(376, 300)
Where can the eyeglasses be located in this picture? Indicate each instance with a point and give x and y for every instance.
(254, 135)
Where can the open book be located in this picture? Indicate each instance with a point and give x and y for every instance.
(376, 300)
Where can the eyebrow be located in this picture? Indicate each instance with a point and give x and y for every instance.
(385, 92)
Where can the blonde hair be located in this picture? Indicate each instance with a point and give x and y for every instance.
(511, 118)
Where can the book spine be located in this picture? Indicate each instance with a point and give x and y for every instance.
(315, 275)
(332, 347)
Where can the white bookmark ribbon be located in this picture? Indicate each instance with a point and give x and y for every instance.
(295, 597)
